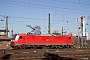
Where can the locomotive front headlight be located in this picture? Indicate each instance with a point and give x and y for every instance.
(11, 40)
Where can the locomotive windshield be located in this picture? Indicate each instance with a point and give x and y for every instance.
(14, 36)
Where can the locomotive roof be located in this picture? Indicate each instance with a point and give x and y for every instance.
(44, 35)
(24, 34)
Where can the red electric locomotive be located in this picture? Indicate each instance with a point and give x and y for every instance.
(36, 40)
(52, 41)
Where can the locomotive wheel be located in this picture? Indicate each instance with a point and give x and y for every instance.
(23, 46)
(15, 47)
(68, 46)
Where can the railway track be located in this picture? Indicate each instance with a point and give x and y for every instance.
(46, 54)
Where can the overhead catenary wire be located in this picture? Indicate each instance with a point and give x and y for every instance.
(42, 7)
(53, 2)
(33, 4)
(19, 17)
(24, 17)
(18, 21)
(59, 1)
(33, 19)
(43, 23)
(72, 2)
(29, 3)
(45, 7)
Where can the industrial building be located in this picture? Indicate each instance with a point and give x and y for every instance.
(4, 40)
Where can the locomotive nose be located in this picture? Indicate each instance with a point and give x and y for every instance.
(12, 43)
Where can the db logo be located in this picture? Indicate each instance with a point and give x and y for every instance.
(47, 39)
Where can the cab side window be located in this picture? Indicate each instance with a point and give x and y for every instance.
(69, 38)
(20, 37)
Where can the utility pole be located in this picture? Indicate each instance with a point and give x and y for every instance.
(49, 32)
(85, 37)
(82, 29)
(12, 29)
(62, 30)
(7, 26)
(78, 44)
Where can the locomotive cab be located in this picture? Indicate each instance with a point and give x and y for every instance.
(14, 39)
(17, 38)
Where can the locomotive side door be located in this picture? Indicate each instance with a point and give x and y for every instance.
(68, 40)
